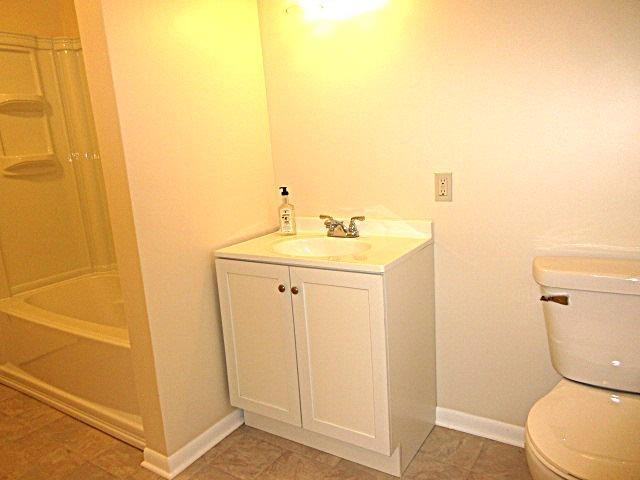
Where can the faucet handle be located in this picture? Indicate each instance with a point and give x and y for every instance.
(353, 228)
(328, 220)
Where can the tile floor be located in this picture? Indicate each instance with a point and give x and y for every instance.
(38, 442)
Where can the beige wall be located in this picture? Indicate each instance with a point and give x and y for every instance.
(190, 96)
(119, 201)
(42, 18)
(68, 18)
(534, 107)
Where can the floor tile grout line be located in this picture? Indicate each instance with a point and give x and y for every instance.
(483, 443)
(272, 463)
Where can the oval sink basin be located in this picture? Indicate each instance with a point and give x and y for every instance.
(321, 247)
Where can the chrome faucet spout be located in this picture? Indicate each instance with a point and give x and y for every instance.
(336, 228)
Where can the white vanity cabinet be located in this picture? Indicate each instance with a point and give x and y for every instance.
(331, 375)
(341, 361)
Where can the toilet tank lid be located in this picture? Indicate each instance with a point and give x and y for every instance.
(586, 273)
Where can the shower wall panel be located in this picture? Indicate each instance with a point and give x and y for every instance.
(53, 220)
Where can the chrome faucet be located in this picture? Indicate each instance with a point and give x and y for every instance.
(336, 228)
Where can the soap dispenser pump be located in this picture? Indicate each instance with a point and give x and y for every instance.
(287, 214)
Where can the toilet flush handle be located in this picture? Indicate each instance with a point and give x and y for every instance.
(561, 299)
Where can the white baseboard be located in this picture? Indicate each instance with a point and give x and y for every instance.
(481, 426)
(170, 466)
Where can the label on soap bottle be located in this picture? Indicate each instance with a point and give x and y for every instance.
(285, 221)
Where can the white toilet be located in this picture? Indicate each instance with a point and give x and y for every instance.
(588, 426)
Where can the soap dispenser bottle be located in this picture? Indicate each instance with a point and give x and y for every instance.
(287, 214)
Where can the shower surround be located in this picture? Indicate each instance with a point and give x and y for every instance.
(63, 335)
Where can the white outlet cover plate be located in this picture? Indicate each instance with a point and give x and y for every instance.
(443, 187)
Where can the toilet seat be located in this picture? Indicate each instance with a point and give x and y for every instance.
(585, 432)
(539, 468)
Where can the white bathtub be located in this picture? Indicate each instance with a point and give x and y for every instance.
(68, 345)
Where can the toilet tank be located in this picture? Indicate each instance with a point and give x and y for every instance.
(595, 337)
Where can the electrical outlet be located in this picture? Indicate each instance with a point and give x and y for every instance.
(443, 187)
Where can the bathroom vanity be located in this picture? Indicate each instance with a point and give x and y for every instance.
(330, 342)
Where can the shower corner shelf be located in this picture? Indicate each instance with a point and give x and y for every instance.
(14, 99)
(28, 165)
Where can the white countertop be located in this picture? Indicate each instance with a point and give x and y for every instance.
(389, 242)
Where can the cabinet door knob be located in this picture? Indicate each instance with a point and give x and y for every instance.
(281, 288)
(294, 290)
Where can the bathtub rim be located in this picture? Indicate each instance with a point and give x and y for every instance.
(18, 307)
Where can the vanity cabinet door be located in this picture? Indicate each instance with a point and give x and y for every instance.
(255, 301)
(342, 360)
